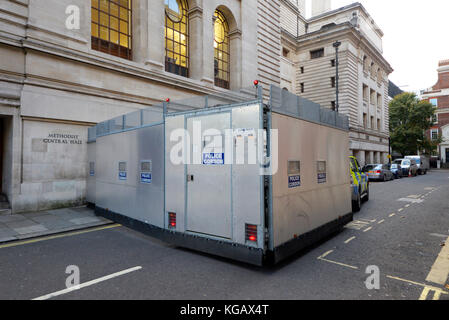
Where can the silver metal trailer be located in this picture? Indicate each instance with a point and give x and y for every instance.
(253, 181)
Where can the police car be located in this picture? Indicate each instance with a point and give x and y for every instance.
(359, 185)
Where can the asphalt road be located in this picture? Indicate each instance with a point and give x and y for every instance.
(402, 244)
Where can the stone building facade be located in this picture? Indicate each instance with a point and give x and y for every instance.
(438, 95)
(70, 64)
(58, 78)
(308, 69)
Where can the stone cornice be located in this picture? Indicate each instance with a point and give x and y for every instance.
(289, 38)
(195, 12)
(237, 33)
(294, 9)
(78, 123)
(370, 132)
(128, 67)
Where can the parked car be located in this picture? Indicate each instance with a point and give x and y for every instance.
(396, 169)
(380, 172)
(408, 167)
(422, 162)
(359, 185)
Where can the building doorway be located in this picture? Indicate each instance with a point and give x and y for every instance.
(447, 155)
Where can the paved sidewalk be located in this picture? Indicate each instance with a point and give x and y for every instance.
(36, 224)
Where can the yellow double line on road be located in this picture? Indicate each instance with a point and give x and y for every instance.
(426, 290)
(438, 273)
(436, 295)
(64, 235)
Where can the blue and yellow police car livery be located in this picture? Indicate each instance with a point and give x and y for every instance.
(359, 185)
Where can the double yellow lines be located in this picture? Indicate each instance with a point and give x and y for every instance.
(438, 274)
(436, 295)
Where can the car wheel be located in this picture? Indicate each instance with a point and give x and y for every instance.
(356, 205)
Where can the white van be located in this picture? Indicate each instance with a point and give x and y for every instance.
(422, 162)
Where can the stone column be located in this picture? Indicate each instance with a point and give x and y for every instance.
(385, 157)
(371, 157)
(378, 156)
(196, 44)
(208, 48)
(156, 25)
(236, 59)
(140, 32)
(249, 42)
(361, 158)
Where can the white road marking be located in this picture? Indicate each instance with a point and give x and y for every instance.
(357, 225)
(392, 215)
(366, 230)
(87, 284)
(371, 221)
(322, 258)
(407, 205)
(400, 210)
(349, 240)
(445, 236)
(381, 221)
(440, 269)
(411, 200)
(326, 254)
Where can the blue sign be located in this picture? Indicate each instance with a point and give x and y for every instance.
(322, 178)
(146, 178)
(92, 173)
(294, 182)
(213, 159)
(122, 175)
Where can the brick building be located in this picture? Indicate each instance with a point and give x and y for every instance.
(438, 95)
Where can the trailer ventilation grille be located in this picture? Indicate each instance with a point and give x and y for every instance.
(172, 220)
(251, 232)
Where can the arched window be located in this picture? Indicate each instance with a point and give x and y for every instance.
(177, 37)
(222, 51)
(111, 27)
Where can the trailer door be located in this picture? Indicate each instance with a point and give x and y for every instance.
(208, 177)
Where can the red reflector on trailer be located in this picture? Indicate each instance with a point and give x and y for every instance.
(251, 232)
(172, 220)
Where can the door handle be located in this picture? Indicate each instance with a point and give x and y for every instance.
(190, 178)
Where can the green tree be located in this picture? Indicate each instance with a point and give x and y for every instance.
(410, 118)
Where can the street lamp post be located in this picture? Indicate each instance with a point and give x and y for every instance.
(336, 45)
